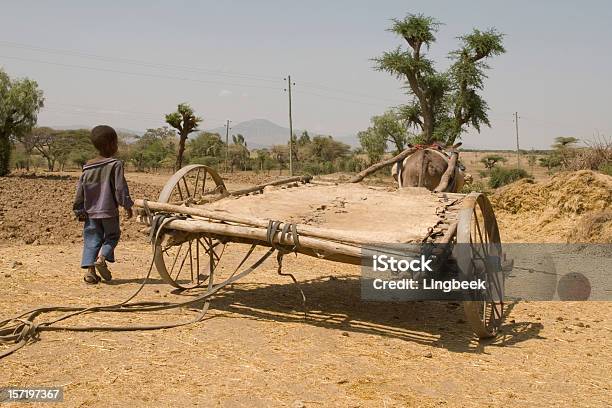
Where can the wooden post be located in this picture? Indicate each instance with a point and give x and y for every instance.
(373, 168)
(448, 174)
(303, 179)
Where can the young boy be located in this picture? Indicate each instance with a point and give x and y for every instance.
(100, 190)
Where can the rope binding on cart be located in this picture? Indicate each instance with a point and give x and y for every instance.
(287, 232)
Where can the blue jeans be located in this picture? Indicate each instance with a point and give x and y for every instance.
(100, 237)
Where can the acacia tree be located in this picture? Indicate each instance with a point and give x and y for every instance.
(389, 127)
(60, 146)
(564, 149)
(20, 102)
(45, 141)
(563, 142)
(491, 160)
(185, 122)
(444, 103)
(27, 141)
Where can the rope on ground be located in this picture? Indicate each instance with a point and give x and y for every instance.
(23, 328)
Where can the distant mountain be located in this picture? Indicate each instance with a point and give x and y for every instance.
(258, 133)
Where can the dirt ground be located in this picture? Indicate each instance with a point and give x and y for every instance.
(260, 347)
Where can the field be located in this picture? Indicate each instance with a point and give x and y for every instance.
(474, 166)
(259, 347)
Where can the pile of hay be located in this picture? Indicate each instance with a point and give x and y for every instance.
(594, 227)
(570, 207)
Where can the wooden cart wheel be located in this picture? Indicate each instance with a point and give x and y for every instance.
(190, 260)
(192, 185)
(479, 255)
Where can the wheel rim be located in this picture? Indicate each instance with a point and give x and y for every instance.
(479, 255)
(192, 185)
(185, 260)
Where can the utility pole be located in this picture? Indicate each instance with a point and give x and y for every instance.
(227, 128)
(288, 79)
(518, 151)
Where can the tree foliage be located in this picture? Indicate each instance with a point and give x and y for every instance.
(565, 142)
(563, 153)
(185, 122)
(154, 148)
(491, 160)
(206, 144)
(444, 103)
(388, 128)
(20, 102)
(264, 160)
(321, 154)
(61, 146)
(501, 176)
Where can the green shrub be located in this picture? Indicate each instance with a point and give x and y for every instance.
(477, 186)
(606, 169)
(349, 164)
(314, 169)
(205, 160)
(501, 176)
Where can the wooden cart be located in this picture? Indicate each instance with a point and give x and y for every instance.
(337, 222)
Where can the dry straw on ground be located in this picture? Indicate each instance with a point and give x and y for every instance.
(551, 211)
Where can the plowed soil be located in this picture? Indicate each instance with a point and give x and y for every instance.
(260, 347)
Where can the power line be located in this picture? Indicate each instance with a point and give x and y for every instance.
(133, 118)
(148, 64)
(111, 111)
(337, 98)
(138, 74)
(350, 93)
(137, 62)
(248, 77)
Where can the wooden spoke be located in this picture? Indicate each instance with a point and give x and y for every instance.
(180, 191)
(191, 261)
(204, 182)
(195, 188)
(197, 262)
(186, 187)
(181, 265)
(481, 240)
(176, 257)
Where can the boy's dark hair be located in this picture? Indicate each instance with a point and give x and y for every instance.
(103, 137)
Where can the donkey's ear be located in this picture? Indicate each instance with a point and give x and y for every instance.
(456, 145)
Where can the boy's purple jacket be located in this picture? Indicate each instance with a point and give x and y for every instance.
(101, 189)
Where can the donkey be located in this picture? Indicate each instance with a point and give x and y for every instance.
(426, 168)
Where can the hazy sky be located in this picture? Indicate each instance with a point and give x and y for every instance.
(128, 63)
